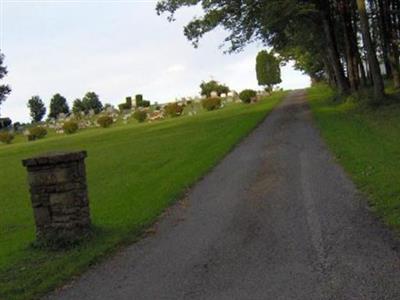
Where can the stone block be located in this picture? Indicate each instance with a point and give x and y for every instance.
(59, 196)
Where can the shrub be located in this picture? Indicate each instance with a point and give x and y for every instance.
(140, 116)
(145, 103)
(211, 103)
(6, 137)
(123, 106)
(139, 100)
(37, 133)
(127, 105)
(105, 121)
(129, 102)
(70, 127)
(173, 109)
(247, 95)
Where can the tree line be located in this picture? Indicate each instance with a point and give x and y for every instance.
(59, 105)
(353, 44)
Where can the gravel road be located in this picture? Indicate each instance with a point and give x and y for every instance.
(276, 219)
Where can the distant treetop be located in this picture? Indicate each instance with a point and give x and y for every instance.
(4, 89)
(213, 86)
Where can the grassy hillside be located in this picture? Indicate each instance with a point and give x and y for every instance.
(366, 142)
(134, 173)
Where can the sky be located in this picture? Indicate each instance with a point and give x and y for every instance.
(116, 49)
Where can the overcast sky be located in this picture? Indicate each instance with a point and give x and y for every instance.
(116, 49)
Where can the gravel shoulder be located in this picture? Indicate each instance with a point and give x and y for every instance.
(277, 218)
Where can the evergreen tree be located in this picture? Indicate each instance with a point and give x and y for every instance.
(77, 106)
(58, 105)
(91, 101)
(37, 108)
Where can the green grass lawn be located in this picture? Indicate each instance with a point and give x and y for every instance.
(366, 141)
(134, 172)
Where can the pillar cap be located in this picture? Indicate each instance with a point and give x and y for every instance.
(54, 158)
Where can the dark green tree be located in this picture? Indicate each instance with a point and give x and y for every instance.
(91, 101)
(271, 22)
(4, 89)
(58, 105)
(213, 86)
(322, 36)
(267, 69)
(77, 106)
(371, 52)
(37, 109)
(5, 123)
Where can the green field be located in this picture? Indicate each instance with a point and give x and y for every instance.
(134, 172)
(366, 141)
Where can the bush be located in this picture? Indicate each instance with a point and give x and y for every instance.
(247, 95)
(123, 106)
(139, 100)
(129, 102)
(37, 133)
(105, 121)
(140, 116)
(127, 105)
(211, 103)
(6, 137)
(173, 109)
(70, 127)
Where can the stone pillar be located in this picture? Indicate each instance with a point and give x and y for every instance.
(59, 197)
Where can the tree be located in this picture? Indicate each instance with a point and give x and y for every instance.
(371, 53)
(58, 105)
(267, 69)
(322, 36)
(37, 108)
(265, 21)
(91, 101)
(5, 123)
(78, 107)
(213, 86)
(4, 89)
(383, 16)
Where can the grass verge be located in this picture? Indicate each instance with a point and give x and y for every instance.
(134, 173)
(366, 141)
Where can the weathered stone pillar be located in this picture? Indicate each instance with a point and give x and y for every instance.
(59, 197)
